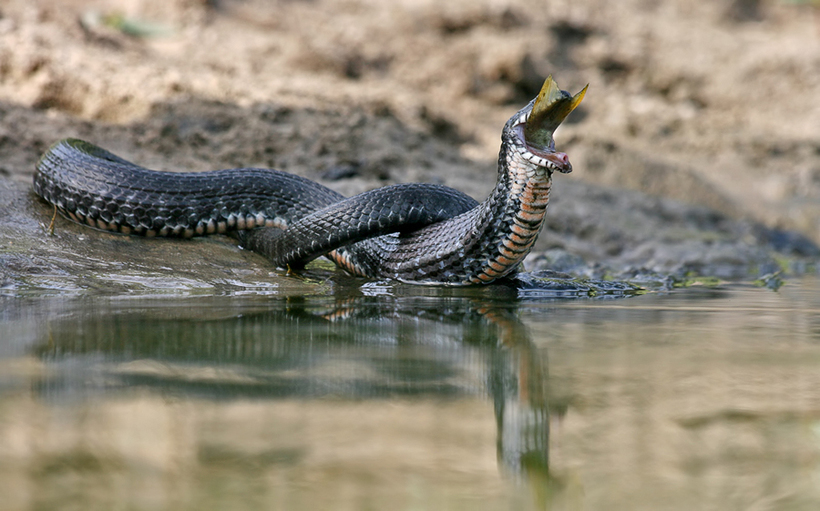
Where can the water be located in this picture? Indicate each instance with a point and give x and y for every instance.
(413, 398)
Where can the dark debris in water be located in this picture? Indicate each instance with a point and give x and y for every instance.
(771, 281)
(552, 284)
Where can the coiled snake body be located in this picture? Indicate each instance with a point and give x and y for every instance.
(410, 232)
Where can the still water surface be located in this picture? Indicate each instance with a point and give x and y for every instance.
(411, 399)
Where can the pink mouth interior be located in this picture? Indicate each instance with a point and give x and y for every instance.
(559, 159)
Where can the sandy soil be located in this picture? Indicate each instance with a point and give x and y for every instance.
(711, 104)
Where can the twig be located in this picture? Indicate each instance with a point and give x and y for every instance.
(50, 229)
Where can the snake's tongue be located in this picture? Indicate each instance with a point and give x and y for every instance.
(551, 107)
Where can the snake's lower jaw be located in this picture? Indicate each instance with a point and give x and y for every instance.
(560, 161)
(557, 161)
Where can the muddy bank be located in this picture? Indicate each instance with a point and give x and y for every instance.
(696, 151)
(592, 231)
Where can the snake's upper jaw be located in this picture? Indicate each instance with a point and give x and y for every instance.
(551, 107)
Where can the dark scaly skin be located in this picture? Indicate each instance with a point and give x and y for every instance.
(462, 243)
(399, 208)
(95, 187)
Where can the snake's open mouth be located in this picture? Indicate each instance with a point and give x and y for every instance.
(546, 156)
(550, 109)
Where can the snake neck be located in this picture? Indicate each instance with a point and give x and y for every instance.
(513, 215)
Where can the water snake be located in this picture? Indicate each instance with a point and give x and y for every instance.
(411, 232)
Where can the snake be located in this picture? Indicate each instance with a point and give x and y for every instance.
(412, 232)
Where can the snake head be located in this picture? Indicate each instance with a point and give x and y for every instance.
(550, 108)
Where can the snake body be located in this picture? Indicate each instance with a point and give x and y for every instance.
(410, 232)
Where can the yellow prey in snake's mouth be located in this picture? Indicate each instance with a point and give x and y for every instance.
(551, 107)
(419, 233)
